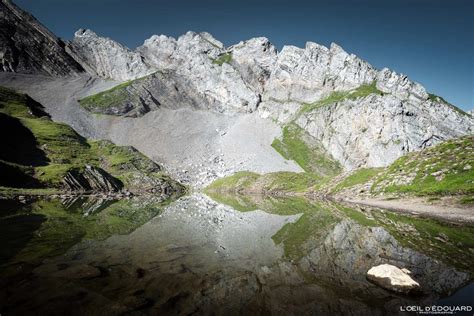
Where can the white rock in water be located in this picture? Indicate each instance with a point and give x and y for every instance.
(392, 278)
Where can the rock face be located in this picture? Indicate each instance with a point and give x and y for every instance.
(195, 61)
(392, 278)
(197, 71)
(91, 179)
(375, 130)
(27, 46)
(307, 75)
(106, 58)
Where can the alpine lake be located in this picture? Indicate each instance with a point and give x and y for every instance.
(222, 255)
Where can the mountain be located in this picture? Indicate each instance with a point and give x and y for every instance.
(206, 111)
(358, 115)
(27, 46)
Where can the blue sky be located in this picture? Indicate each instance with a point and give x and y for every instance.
(432, 41)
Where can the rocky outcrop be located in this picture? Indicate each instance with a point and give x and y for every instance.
(254, 59)
(375, 130)
(26, 46)
(393, 278)
(91, 179)
(193, 62)
(106, 58)
(308, 74)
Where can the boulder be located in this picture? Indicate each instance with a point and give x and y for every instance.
(392, 278)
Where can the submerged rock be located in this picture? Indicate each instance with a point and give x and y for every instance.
(392, 278)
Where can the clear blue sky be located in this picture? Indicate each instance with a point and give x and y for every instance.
(432, 41)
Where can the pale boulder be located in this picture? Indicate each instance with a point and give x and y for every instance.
(392, 278)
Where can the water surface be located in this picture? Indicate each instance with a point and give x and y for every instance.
(227, 255)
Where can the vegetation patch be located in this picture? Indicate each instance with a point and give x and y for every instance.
(64, 150)
(109, 98)
(224, 58)
(360, 92)
(239, 181)
(436, 98)
(295, 144)
(447, 168)
(360, 176)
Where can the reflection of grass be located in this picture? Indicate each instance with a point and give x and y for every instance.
(451, 244)
(238, 202)
(63, 227)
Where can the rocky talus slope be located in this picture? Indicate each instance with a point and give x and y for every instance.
(45, 154)
(27, 46)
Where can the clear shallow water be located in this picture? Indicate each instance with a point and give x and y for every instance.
(241, 255)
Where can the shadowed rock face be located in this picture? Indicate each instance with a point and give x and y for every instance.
(27, 46)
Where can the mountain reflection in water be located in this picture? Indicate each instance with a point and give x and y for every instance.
(230, 255)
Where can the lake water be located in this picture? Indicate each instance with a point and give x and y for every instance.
(229, 255)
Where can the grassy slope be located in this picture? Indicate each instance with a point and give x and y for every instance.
(297, 145)
(360, 92)
(447, 168)
(444, 169)
(310, 157)
(65, 149)
(108, 98)
(275, 182)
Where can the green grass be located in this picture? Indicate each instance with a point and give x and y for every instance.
(237, 182)
(312, 158)
(224, 58)
(285, 181)
(66, 150)
(360, 176)
(436, 98)
(281, 182)
(238, 202)
(467, 200)
(362, 91)
(108, 98)
(451, 158)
